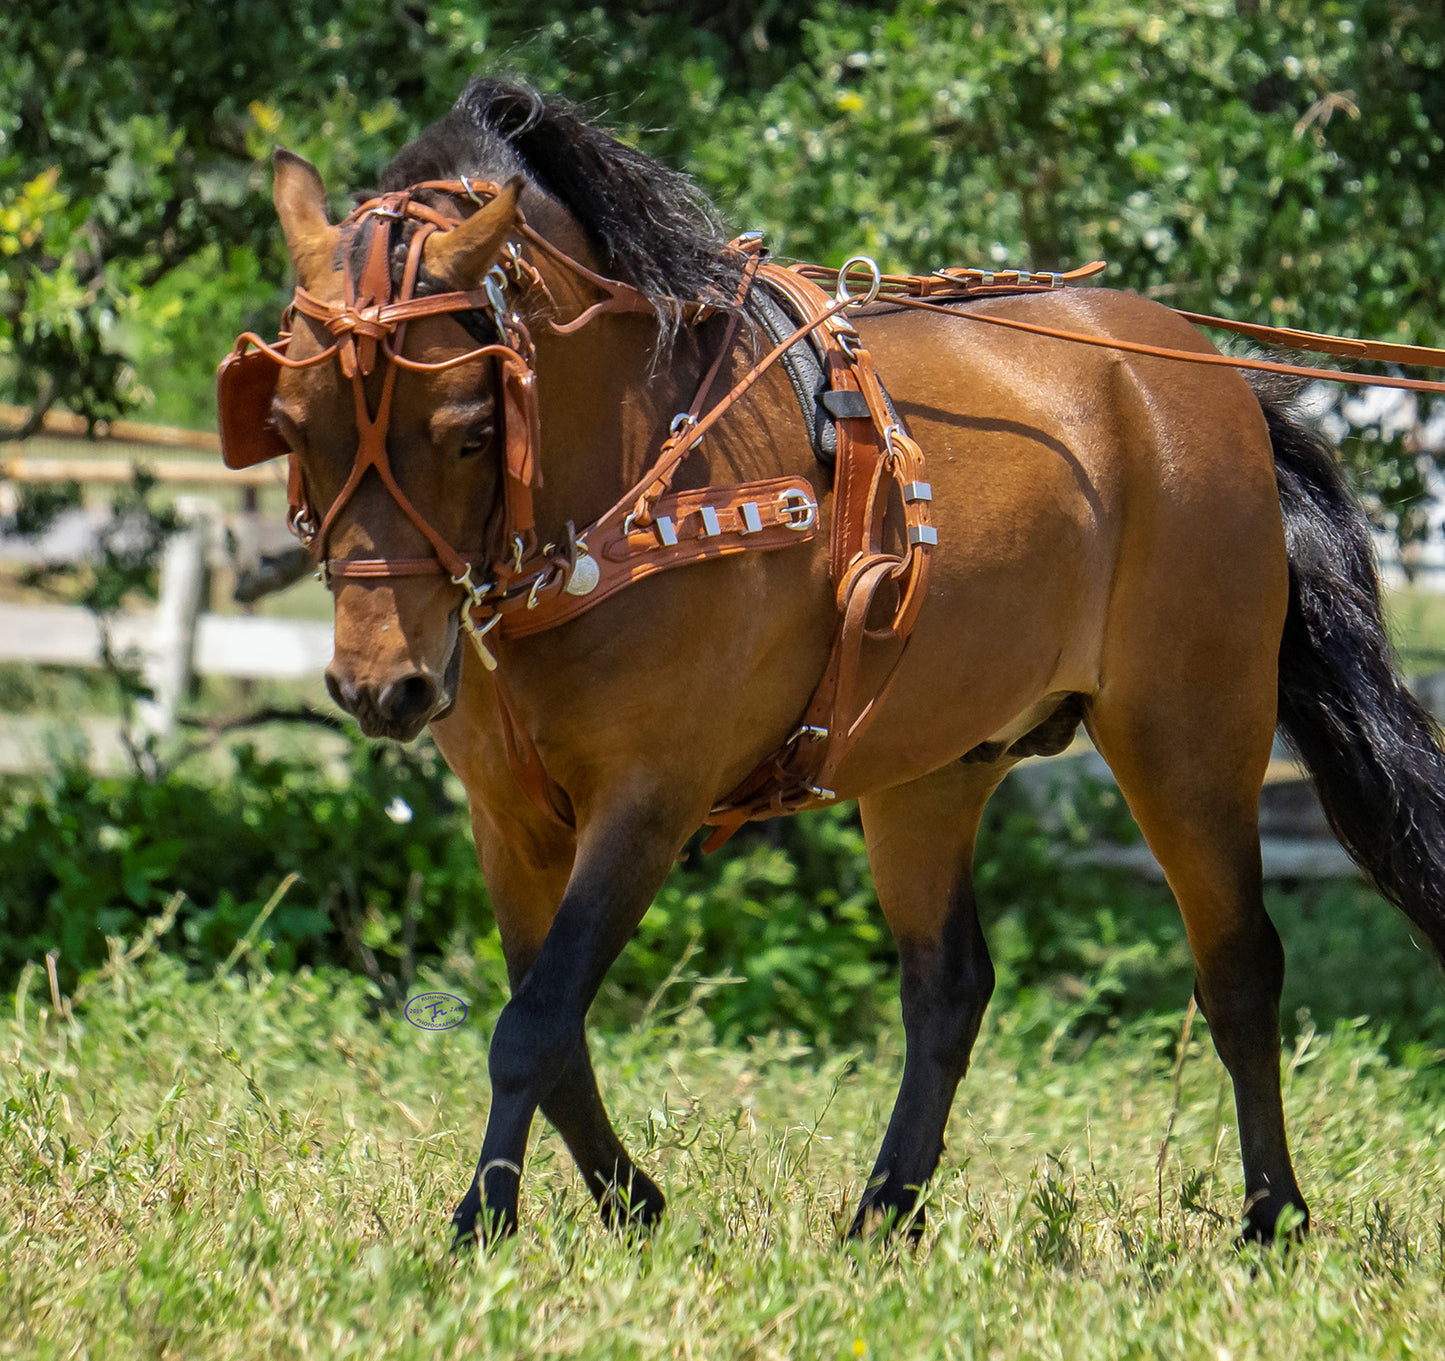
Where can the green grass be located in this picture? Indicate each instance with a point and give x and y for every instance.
(252, 1167)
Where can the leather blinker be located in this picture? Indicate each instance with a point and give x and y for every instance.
(245, 389)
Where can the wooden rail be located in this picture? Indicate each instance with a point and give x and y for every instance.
(253, 646)
(70, 426)
(118, 471)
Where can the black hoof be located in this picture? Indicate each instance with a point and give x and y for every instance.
(634, 1207)
(1268, 1219)
(882, 1220)
(476, 1225)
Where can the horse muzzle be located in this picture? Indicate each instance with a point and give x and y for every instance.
(398, 707)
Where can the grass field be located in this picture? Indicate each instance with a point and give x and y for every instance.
(246, 1167)
(263, 1165)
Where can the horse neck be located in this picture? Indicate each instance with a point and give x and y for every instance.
(604, 406)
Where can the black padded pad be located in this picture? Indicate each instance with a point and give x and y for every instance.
(803, 364)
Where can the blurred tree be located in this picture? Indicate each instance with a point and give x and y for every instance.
(135, 223)
(1277, 160)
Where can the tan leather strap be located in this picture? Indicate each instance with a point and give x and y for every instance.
(1189, 356)
(875, 455)
(956, 284)
(1419, 356)
(687, 527)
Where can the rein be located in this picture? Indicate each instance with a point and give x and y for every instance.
(526, 587)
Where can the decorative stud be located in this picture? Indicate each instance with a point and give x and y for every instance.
(585, 575)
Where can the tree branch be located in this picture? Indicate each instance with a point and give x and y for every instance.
(36, 418)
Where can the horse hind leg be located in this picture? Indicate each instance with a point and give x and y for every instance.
(1187, 733)
(920, 840)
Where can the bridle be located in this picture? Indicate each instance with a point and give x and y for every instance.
(369, 323)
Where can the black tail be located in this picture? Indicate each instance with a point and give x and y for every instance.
(1372, 750)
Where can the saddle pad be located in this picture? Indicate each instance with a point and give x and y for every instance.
(802, 362)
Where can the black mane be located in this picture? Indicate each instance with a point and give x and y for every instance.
(651, 226)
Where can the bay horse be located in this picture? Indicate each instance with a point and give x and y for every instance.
(1157, 550)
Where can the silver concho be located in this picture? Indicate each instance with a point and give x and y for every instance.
(585, 575)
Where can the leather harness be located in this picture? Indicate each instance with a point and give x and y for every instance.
(517, 586)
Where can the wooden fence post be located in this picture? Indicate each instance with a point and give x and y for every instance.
(172, 646)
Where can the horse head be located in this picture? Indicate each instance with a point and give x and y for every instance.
(393, 424)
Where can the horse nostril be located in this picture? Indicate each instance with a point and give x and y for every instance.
(411, 698)
(342, 692)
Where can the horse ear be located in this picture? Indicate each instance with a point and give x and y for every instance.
(461, 256)
(300, 200)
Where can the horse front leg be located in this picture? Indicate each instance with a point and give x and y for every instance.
(538, 1054)
(526, 866)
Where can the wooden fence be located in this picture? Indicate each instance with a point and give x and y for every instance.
(180, 638)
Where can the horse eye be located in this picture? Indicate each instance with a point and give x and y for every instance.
(289, 431)
(476, 440)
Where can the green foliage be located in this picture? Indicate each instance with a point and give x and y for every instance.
(780, 932)
(83, 858)
(1277, 161)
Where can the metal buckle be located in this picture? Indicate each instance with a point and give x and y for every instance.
(472, 193)
(874, 283)
(811, 731)
(495, 283)
(303, 526)
(477, 635)
(475, 594)
(513, 252)
(793, 503)
(680, 424)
